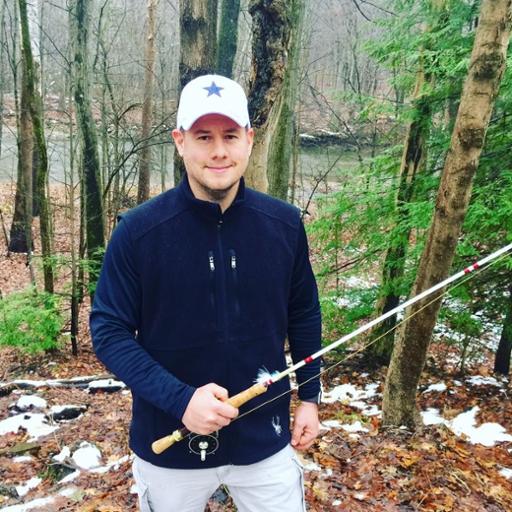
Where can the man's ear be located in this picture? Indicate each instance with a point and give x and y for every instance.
(250, 138)
(179, 140)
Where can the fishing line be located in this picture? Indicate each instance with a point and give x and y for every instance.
(365, 346)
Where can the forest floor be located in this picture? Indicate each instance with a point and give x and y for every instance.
(460, 460)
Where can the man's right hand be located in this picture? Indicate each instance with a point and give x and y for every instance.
(206, 412)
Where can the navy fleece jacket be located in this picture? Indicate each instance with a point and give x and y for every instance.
(189, 295)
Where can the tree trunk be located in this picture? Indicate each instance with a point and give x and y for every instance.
(271, 24)
(20, 233)
(281, 147)
(91, 189)
(21, 227)
(502, 360)
(38, 126)
(198, 45)
(413, 161)
(228, 37)
(480, 89)
(2, 70)
(147, 106)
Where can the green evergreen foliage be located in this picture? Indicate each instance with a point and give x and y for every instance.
(31, 321)
(357, 224)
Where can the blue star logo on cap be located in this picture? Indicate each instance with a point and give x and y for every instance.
(213, 89)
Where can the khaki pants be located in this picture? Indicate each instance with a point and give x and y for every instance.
(273, 484)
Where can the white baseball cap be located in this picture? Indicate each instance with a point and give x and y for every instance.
(212, 94)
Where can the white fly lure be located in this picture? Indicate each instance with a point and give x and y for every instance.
(265, 376)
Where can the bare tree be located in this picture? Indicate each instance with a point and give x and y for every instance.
(147, 105)
(91, 190)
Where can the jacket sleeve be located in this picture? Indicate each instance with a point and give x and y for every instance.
(304, 320)
(114, 321)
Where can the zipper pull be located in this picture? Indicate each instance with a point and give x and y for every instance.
(211, 261)
(233, 262)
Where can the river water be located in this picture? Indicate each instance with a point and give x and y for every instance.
(314, 163)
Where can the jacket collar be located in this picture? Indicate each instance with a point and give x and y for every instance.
(208, 208)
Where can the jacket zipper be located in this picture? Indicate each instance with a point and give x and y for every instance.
(234, 273)
(211, 262)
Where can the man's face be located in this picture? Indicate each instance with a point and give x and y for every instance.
(216, 152)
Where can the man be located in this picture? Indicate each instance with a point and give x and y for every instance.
(200, 286)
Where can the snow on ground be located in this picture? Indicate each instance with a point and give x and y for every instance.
(87, 456)
(39, 502)
(22, 489)
(35, 424)
(506, 472)
(487, 434)
(441, 386)
(478, 380)
(27, 402)
(354, 396)
(106, 383)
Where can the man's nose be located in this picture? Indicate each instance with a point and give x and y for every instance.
(219, 149)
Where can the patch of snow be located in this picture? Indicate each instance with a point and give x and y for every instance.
(457, 383)
(354, 427)
(23, 458)
(35, 424)
(87, 456)
(487, 434)
(348, 393)
(441, 386)
(312, 466)
(343, 302)
(134, 489)
(336, 503)
(111, 465)
(63, 455)
(328, 424)
(30, 401)
(506, 472)
(367, 410)
(27, 486)
(358, 282)
(106, 383)
(39, 502)
(70, 477)
(478, 380)
(432, 417)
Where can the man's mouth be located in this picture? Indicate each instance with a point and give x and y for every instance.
(219, 169)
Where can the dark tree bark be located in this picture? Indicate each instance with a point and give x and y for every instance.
(20, 234)
(38, 126)
(271, 22)
(486, 69)
(91, 189)
(198, 50)
(228, 37)
(502, 359)
(281, 147)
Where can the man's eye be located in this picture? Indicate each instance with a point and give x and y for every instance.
(203, 137)
(231, 137)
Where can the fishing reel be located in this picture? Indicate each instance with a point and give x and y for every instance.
(204, 445)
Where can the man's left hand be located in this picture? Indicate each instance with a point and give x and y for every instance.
(305, 425)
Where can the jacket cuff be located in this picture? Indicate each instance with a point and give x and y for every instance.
(314, 399)
(178, 408)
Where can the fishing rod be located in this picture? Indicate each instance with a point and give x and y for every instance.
(261, 386)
